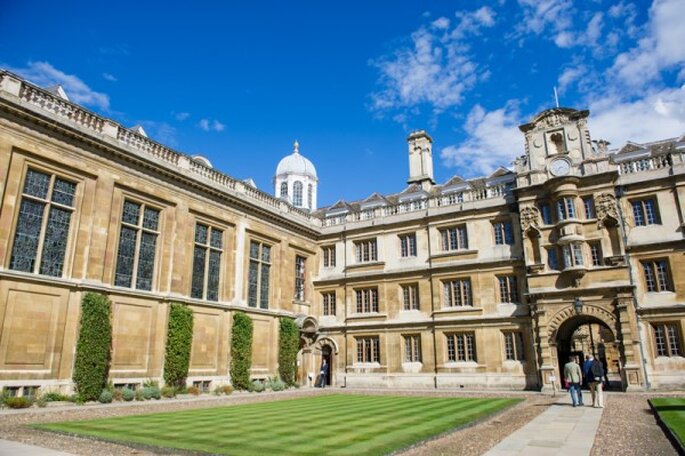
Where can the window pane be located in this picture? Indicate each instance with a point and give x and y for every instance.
(266, 253)
(63, 192)
(198, 282)
(27, 236)
(252, 283)
(131, 213)
(125, 257)
(201, 234)
(216, 239)
(264, 287)
(254, 250)
(146, 261)
(213, 275)
(37, 184)
(151, 219)
(55, 242)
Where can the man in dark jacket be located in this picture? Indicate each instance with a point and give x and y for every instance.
(594, 379)
(324, 374)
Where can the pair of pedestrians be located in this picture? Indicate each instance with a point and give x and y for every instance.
(573, 376)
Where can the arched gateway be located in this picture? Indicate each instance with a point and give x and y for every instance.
(579, 329)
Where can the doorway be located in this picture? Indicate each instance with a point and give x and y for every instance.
(585, 335)
(327, 355)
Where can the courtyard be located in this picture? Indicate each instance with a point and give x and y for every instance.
(309, 421)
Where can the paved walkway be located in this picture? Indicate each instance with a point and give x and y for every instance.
(8, 448)
(559, 430)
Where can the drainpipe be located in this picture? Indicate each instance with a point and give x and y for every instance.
(624, 232)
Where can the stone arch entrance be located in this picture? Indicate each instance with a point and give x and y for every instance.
(583, 335)
(326, 349)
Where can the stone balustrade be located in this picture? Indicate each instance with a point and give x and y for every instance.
(644, 164)
(85, 120)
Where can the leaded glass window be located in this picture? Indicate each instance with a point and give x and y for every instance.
(457, 293)
(206, 262)
(258, 275)
(137, 246)
(504, 234)
(367, 300)
(461, 347)
(42, 231)
(508, 290)
(667, 339)
(513, 346)
(412, 348)
(284, 189)
(299, 277)
(454, 238)
(368, 350)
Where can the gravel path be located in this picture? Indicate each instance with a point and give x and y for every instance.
(628, 427)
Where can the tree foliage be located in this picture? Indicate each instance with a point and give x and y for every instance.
(288, 346)
(241, 351)
(94, 346)
(178, 343)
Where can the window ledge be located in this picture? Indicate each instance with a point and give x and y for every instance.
(462, 309)
(367, 263)
(302, 303)
(461, 364)
(366, 365)
(362, 316)
(454, 253)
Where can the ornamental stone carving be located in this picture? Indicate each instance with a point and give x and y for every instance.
(530, 219)
(607, 211)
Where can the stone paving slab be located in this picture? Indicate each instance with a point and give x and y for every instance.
(9, 448)
(559, 430)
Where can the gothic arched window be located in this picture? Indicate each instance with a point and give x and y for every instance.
(284, 189)
(297, 194)
(310, 192)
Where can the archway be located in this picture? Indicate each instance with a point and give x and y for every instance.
(326, 349)
(583, 335)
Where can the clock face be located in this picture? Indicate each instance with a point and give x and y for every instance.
(560, 167)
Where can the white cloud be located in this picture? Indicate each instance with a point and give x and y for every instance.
(211, 125)
(45, 75)
(161, 132)
(569, 76)
(493, 140)
(435, 69)
(657, 115)
(660, 49)
(181, 116)
(541, 15)
(109, 77)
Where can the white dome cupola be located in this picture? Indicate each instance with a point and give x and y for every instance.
(296, 180)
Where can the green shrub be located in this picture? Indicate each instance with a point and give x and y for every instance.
(117, 395)
(19, 402)
(276, 384)
(42, 402)
(156, 393)
(168, 392)
(288, 346)
(194, 390)
(150, 383)
(257, 386)
(146, 392)
(140, 394)
(178, 343)
(241, 351)
(94, 346)
(128, 394)
(105, 397)
(54, 396)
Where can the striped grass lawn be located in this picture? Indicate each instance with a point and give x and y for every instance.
(672, 413)
(336, 424)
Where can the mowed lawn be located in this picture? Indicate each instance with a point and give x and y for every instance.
(672, 412)
(337, 424)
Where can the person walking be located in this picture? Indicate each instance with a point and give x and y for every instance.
(586, 369)
(573, 377)
(594, 379)
(323, 374)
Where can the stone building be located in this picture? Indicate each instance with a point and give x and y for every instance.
(485, 283)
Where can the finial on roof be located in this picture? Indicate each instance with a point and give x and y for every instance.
(296, 147)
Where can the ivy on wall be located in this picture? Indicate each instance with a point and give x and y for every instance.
(288, 346)
(94, 346)
(178, 343)
(241, 351)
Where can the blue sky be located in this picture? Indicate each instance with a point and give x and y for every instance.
(239, 82)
